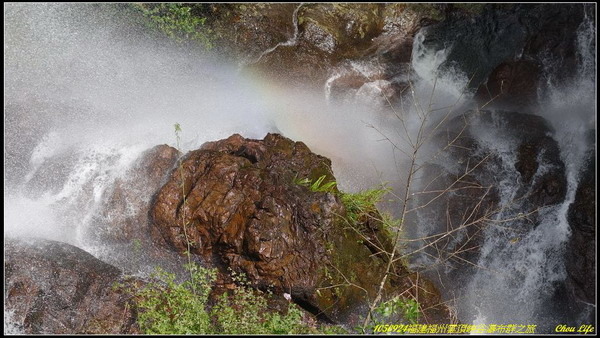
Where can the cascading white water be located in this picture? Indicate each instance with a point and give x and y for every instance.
(518, 269)
(426, 63)
(86, 100)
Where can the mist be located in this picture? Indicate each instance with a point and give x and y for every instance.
(94, 92)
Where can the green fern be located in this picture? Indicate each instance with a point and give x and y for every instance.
(318, 185)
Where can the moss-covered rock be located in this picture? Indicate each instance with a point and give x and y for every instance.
(245, 211)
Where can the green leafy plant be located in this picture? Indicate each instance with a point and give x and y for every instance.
(168, 307)
(246, 312)
(407, 308)
(137, 245)
(363, 203)
(395, 310)
(177, 22)
(317, 185)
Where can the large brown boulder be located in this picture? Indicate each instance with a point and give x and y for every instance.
(240, 198)
(56, 288)
(245, 211)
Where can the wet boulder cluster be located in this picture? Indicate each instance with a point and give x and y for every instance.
(239, 206)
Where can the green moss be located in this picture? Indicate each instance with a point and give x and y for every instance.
(355, 268)
(177, 21)
(431, 11)
(470, 8)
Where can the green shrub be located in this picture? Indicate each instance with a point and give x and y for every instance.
(177, 22)
(167, 307)
(361, 204)
(408, 309)
(397, 310)
(246, 312)
(317, 185)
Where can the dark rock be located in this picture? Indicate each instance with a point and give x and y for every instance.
(457, 198)
(581, 254)
(538, 159)
(243, 211)
(553, 36)
(124, 215)
(121, 224)
(461, 191)
(56, 288)
(461, 214)
(510, 33)
(543, 181)
(511, 85)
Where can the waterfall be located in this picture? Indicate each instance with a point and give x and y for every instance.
(519, 271)
(82, 104)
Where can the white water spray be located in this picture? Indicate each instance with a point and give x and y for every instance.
(518, 268)
(102, 97)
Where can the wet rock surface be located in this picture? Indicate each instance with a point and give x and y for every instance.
(314, 38)
(56, 288)
(581, 257)
(124, 217)
(244, 211)
(511, 85)
(538, 160)
(457, 197)
(462, 195)
(510, 33)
